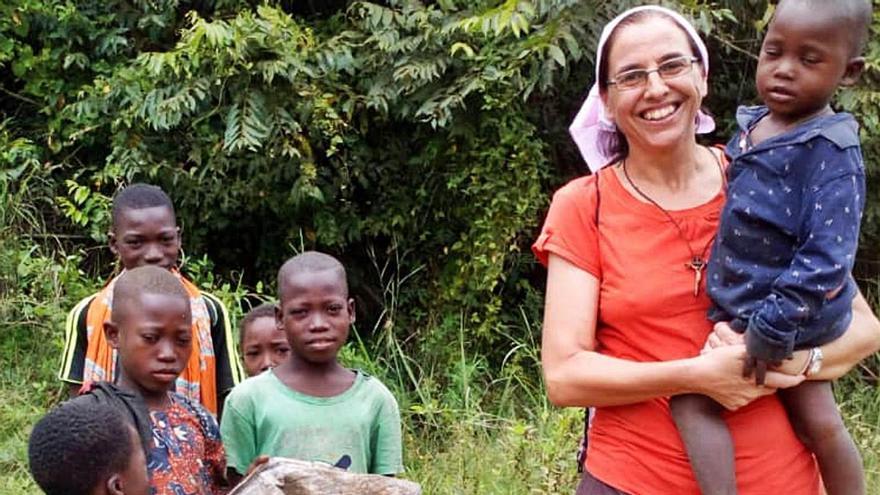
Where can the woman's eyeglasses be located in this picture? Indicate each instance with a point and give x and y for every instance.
(637, 78)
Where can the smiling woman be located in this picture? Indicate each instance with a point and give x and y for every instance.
(657, 116)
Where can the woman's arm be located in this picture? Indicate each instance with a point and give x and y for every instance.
(860, 340)
(576, 375)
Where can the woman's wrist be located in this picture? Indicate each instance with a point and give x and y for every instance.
(697, 374)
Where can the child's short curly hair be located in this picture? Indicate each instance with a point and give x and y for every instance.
(138, 196)
(856, 15)
(265, 310)
(77, 445)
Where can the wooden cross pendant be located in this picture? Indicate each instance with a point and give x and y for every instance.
(697, 265)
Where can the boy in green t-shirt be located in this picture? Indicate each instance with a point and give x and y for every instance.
(310, 407)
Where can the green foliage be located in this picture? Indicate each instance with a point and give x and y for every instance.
(87, 208)
(864, 102)
(382, 122)
(20, 172)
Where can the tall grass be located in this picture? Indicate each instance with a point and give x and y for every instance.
(858, 395)
(30, 341)
(468, 427)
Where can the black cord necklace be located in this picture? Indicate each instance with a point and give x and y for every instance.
(698, 261)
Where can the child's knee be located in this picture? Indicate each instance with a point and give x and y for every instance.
(819, 427)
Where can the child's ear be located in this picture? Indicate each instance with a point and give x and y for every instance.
(854, 69)
(111, 242)
(114, 485)
(279, 324)
(111, 333)
(351, 314)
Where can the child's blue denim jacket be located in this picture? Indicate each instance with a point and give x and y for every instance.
(780, 267)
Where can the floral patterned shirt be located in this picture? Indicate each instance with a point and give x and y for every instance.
(186, 455)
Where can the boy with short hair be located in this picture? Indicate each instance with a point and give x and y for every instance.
(310, 407)
(143, 232)
(84, 447)
(151, 330)
(263, 344)
(780, 267)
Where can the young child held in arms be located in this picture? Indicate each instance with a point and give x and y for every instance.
(262, 343)
(780, 268)
(87, 448)
(310, 407)
(151, 330)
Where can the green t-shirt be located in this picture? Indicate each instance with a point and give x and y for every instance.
(263, 416)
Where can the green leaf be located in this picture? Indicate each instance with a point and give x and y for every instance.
(218, 33)
(80, 195)
(557, 54)
(468, 51)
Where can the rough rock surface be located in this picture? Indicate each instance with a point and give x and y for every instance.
(282, 476)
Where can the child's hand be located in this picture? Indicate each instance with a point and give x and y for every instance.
(722, 335)
(259, 461)
(757, 365)
(718, 374)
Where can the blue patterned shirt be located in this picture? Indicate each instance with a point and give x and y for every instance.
(780, 267)
(186, 455)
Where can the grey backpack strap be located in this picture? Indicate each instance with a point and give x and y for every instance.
(582, 445)
(130, 404)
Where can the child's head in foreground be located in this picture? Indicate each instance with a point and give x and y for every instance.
(263, 344)
(811, 48)
(151, 328)
(314, 308)
(87, 448)
(144, 227)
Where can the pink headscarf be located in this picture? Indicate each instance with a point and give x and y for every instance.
(590, 126)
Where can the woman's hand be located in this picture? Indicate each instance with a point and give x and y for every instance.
(718, 374)
(723, 335)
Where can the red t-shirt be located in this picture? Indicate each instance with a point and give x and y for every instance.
(648, 312)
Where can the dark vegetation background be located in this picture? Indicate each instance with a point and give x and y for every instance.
(418, 141)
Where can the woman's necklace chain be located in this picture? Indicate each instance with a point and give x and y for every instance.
(697, 262)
